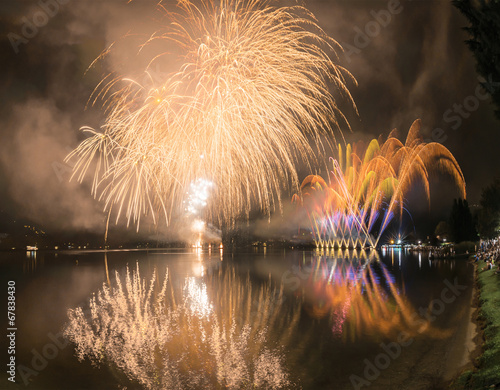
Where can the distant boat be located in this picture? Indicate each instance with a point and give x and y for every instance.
(31, 248)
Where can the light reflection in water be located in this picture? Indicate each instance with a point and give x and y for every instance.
(356, 292)
(196, 297)
(215, 335)
(30, 263)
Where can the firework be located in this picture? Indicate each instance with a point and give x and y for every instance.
(249, 100)
(197, 197)
(368, 185)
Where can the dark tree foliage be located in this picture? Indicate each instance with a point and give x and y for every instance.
(488, 220)
(461, 222)
(442, 229)
(484, 42)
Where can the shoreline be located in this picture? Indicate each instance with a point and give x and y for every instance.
(483, 368)
(471, 337)
(468, 339)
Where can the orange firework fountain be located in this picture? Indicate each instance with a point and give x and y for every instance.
(368, 185)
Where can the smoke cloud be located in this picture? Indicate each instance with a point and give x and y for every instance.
(415, 64)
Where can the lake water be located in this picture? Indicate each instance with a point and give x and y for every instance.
(257, 318)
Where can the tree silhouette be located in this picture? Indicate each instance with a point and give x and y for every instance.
(461, 222)
(484, 42)
(489, 214)
(443, 230)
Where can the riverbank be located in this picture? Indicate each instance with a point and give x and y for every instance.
(487, 371)
(467, 340)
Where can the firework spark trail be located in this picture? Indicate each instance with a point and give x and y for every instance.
(250, 99)
(197, 198)
(369, 185)
(166, 343)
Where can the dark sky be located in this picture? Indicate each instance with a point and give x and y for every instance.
(414, 65)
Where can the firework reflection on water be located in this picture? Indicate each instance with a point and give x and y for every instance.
(359, 296)
(216, 334)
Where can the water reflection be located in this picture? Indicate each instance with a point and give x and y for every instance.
(216, 332)
(30, 263)
(217, 325)
(359, 296)
(196, 298)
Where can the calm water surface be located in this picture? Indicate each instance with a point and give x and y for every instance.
(261, 318)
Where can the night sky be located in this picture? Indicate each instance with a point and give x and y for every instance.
(414, 65)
